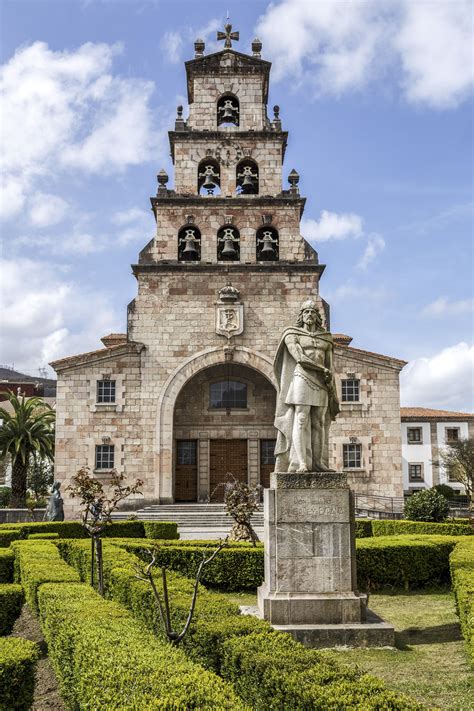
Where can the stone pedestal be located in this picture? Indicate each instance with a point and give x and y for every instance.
(310, 586)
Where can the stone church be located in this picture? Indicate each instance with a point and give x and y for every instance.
(187, 394)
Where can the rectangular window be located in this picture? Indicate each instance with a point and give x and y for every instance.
(104, 456)
(228, 394)
(415, 472)
(186, 451)
(452, 434)
(106, 391)
(352, 456)
(350, 390)
(267, 451)
(414, 435)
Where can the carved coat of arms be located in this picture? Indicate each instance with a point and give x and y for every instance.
(229, 313)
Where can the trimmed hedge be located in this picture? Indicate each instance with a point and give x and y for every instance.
(403, 562)
(161, 530)
(104, 658)
(18, 659)
(6, 565)
(363, 528)
(7, 535)
(39, 562)
(43, 536)
(462, 575)
(271, 671)
(11, 602)
(402, 527)
(220, 637)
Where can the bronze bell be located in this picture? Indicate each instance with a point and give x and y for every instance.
(229, 251)
(228, 114)
(209, 185)
(248, 184)
(268, 250)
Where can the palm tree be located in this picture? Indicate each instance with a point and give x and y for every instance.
(26, 431)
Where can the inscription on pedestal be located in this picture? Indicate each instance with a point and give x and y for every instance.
(324, 506)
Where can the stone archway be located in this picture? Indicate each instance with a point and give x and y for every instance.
(190, 367)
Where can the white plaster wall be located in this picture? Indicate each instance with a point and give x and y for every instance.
(417, 454)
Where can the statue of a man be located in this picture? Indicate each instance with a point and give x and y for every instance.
(306, 400)
(55, 508)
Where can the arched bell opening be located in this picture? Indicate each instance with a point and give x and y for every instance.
(228, 111)
(222, 423)
(209, 177)
(189, 244)
(228, 244)
(246, 177)
(267, 244)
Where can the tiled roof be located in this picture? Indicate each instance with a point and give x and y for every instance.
(420, 413)
(70, 360)
(395, 361)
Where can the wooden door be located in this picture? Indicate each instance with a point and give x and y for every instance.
(267, 461)
(226, 456)
(185, 483)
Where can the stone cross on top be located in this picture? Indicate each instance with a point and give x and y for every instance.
(228, 35)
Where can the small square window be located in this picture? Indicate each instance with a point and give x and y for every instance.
(267, 451)
(452, 434)
(106, 391)
(350, 390)
(104, 456)
(415, 472)
(186, 451)
(352, 456)
(414, 435)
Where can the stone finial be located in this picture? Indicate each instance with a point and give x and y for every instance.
(199, 47)
(294, 179)
(276, 123)
(228, 294)
(162, 179)
(228, 36)
(256, 47)
(180, 123)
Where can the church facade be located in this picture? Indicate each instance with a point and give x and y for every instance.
(187, 394)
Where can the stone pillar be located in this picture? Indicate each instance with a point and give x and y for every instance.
(310, 574)
(310, 586)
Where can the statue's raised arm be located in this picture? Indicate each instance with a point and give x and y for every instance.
(306, 400)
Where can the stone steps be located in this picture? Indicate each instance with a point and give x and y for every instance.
(187, 515)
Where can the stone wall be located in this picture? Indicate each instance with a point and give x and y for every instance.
(208, 89)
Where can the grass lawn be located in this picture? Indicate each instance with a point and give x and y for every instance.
(430, 662)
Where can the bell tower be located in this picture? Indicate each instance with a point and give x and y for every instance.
(226, 271)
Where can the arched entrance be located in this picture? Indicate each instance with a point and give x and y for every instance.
(220, 418)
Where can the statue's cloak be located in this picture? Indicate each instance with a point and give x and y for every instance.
(284, 367)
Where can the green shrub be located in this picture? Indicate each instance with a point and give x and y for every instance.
(5, 493)
(104, 658)
(11, 602)
(160, 530)
(18, 659)
(65, 529)
(445, 490)
(403, 562)
(6, 565)
(462, 576)
(271, 671)
(39, 562)
(7, 535)
(43, 536)
(124, 529)
(363, 528)
(427, 505)
(398, 528)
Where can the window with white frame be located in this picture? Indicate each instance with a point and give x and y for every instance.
(414, 435)
(106, 391)
(352, 456)
(104, 456)
(451, 434)
(350, 390)
(415, 472)
(267, 451)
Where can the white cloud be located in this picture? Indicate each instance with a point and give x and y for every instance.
(444, 380)
(74, 244)
(337, 47)
(45, 316)
(444, 307)
(46, 210)
(375, 245)
(332, 225)
(136, 225)
(352, 291)
(172, 44)
(67, 110)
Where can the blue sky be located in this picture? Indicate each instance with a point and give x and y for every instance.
(377, 97)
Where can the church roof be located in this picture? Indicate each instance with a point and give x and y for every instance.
(425, 413)
(343, 341)
(81, 358)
